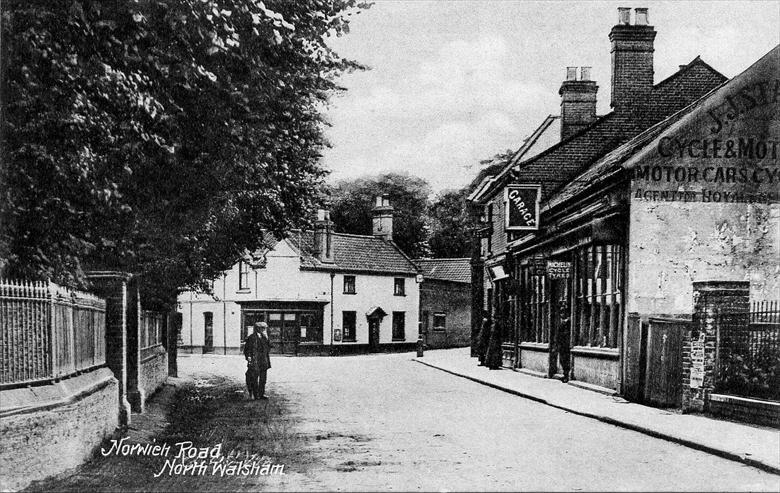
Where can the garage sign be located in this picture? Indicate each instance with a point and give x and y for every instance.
(522, 207)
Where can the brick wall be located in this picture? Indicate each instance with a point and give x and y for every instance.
(454, 301)
(55, 427)
(743, 409)
(700, 344)
(152, 374)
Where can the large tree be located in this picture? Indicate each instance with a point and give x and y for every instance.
(351, 202)
(160, 137)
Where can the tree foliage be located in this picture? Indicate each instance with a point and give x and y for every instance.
(160, 137)
(451, 224)
(351, 202)
(452, 218)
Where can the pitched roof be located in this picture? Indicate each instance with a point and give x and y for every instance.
(547, 134)
(353, 253)
(616, 161)
(446, 269)
(557, 165)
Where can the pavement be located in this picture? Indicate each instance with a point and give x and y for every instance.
(757, 446)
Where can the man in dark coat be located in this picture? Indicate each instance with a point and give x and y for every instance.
(563, 341)
(257, 350)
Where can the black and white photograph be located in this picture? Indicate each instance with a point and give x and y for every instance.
(389, 245)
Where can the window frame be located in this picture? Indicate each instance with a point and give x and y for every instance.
(443, 326)
(243, 276)
(599, 295)
(346, 285)
(402, 284)
(345, 336)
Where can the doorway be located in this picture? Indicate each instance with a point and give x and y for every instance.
(373, 334)
(208, 332)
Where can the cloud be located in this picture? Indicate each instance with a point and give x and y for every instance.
(451, 110)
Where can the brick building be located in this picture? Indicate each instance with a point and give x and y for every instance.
(445, 302)
(556, 235)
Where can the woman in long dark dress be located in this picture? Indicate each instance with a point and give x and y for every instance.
(483, 338)
(493, 358)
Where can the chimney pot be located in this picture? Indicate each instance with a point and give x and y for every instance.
(323, 241)
(632, 60)
(641, 18)
(624, 15)
(578, 101)
(383, 218)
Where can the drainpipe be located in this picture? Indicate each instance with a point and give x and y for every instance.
(191, 341)
(224, 316)
(332, 276)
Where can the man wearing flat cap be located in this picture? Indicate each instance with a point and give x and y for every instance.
(257, 352)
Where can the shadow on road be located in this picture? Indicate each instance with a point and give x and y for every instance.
(207, 416)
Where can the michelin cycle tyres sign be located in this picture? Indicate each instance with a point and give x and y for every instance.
(522, 207)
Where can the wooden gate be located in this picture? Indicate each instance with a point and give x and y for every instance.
(652, 371)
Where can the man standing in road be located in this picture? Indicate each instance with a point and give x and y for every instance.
(257, 352)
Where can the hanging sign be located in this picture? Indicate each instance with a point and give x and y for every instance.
(538, 266)
(558, 270)
(522, 207)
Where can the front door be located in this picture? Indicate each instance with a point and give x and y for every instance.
(290, 333)
(208, 332)
(373, 335)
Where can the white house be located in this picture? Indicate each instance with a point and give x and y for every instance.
(320, 292)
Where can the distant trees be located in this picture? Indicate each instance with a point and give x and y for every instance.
(159, 137)
(451, 224)
(351, 202)
(424, 226)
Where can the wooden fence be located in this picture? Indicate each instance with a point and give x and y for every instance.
(48, 332)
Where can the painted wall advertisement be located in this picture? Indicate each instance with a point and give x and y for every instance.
(725, 150)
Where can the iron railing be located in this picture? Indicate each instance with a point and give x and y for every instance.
(48, 332)
(748, 352)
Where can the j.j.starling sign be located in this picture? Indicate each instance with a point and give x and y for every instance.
(522, 207)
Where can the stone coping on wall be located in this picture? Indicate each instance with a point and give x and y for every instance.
(152, 352)
(772, 406)
(39, 398)
(535, 346)
(598, 352)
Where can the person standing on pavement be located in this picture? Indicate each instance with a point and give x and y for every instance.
(494, 356)
(257, 351)
(483, 338)
(563, 341)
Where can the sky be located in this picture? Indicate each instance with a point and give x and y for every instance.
(455, 82)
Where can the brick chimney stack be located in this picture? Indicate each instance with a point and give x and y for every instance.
(632, 59)
(323, 238)
(383, 218)
(578, 101)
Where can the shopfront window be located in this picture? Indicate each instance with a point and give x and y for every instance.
(535, 307)
(598, 298)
